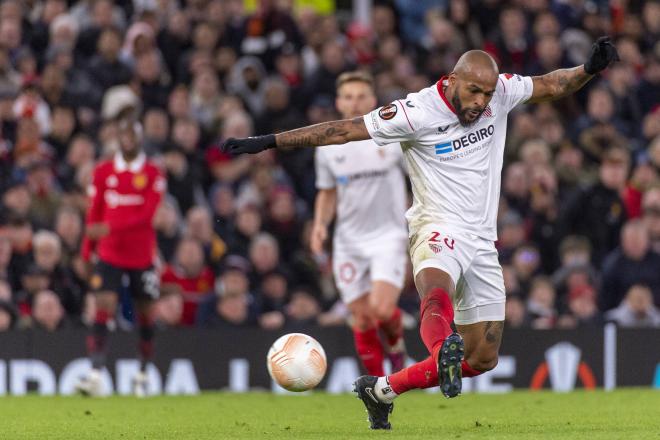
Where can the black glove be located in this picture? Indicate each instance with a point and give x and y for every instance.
(602, 54)
(251, 145)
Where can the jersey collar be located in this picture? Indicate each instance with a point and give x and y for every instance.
(134, 166)
(441, 92)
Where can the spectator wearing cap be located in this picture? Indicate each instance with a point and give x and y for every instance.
(636, 309)
(631, 263)
(191, 275)
(597, 212)
(582, 309)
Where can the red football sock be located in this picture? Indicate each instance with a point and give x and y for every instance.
(423, 374)
(393, 327)
(370, 350)
(468, 371)
(437, 313)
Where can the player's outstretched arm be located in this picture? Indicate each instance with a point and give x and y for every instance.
(563, 82)
(325, 133)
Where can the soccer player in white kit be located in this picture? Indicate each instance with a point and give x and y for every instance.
(365, 184)
(452, 134)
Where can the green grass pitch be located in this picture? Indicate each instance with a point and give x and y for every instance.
(623, 414)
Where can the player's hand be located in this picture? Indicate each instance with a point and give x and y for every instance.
(97, 230)
(318, 237)
(602, 54)
(251, 145)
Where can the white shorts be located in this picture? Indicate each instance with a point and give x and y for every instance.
(472, 262)
(356, 269)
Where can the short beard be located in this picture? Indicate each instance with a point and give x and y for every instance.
(460, 113)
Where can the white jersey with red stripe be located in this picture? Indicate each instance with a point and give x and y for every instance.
(455, 170)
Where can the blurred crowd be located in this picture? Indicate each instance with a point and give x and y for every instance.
(579, 225)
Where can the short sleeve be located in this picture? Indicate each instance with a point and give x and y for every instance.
(324, 177)
(515, 89)
(395, 122)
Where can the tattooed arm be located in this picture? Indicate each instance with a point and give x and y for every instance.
(326, 133)
(557, 84)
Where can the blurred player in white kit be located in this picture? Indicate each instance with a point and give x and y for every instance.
(364, 184)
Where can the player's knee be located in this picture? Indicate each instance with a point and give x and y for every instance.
(383, 311)
(483, 361)
(361, 321)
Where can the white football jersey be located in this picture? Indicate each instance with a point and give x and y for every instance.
(371, 191)
(455, 171)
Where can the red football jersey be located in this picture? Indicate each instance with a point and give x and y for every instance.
(192, 289)
(125, 196)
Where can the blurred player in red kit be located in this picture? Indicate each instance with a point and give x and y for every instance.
(124, 195)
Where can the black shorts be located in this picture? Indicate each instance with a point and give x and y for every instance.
(142, 283)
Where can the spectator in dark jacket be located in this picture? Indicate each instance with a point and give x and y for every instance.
(597, 212)
(632, 263)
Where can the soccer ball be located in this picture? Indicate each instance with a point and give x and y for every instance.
(296, 362)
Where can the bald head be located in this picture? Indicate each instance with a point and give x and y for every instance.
(471, 85)
(477, 63)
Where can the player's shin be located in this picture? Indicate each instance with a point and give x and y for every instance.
(392, 327)
(421, 375)
(146, 344)
(436, 316)
(96, 341)
(370, 350)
